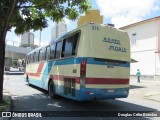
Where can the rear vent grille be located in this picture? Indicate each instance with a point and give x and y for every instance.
(110, 61)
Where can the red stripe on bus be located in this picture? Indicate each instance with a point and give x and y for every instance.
(57, 77)
(93, 80)
(34, 74)
(61, 78)
(40, 67)
(39, 71)
(106, 81)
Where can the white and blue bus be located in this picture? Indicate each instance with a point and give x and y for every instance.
(91, 62)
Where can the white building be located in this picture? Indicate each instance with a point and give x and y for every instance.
(145, 46)
(27, 38)
(59, 29)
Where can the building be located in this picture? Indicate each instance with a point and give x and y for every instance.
(58, 29)
(27, 39)
(91, 16)
(145, 46)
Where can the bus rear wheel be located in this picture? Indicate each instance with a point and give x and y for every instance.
(27, 80)
(51, 89)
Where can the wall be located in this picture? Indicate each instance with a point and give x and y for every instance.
(144, 49)
(157, 69)
(146, 36)
(146, 63)
(16, 52)
(7, 63)
(158, 37)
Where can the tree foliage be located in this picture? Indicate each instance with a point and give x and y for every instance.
(25, 15)
(32, 14)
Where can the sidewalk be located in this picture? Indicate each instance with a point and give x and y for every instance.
(149, 89)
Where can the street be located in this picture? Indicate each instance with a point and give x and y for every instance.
(31, 98)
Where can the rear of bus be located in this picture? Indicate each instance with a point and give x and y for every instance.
(105, 63)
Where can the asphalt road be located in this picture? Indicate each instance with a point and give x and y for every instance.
(31, 98)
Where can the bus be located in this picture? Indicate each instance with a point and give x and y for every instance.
(91, 62)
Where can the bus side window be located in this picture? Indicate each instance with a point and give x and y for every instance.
(44, 54)
(58, 49)
(26, 59)
(47, 52)
(30, 58)
(37, 56)
(63, 48)
(68, 45)
(76, 38)
(40, 55)
(34, 57)
(52, 51)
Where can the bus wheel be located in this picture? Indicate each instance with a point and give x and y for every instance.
(27, 80)
(51, 89)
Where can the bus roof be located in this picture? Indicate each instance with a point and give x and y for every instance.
(70, 32)
(37, 49)
(82, 26)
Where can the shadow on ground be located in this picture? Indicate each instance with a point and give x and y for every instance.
(136, 87)
(66, 109)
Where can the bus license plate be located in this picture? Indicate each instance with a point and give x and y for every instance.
(110, 90)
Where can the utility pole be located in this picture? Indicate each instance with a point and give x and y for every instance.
(40, 38)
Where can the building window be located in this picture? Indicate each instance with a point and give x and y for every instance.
(134, 39)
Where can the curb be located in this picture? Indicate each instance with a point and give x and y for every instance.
(149, 97)
(14, 73)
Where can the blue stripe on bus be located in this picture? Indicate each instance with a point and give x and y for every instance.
(98, 94)
(35, 82)
(102, 94)
(89, 61)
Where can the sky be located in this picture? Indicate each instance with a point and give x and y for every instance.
(118, 12)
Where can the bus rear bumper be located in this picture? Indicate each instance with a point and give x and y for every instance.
(85, 94)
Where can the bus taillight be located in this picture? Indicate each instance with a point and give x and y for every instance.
(83, 67)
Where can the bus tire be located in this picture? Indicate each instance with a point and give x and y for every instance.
(51, 89)
(28, 80)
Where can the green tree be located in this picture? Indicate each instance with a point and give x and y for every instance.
(25, 15)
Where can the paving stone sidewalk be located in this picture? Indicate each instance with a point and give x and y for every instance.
(150, 89)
